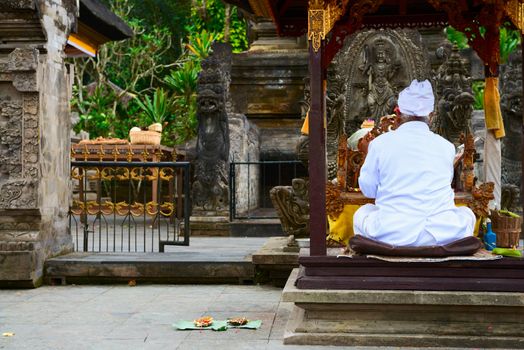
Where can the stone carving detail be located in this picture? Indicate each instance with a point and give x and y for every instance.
(19, 150)
(292, 205)
(511, 106)
(375, 65)
(454, 99)
(210, 186)
(18, 194)
(11, 114)
(335, 101)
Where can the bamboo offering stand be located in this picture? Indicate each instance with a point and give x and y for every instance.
(361, 301)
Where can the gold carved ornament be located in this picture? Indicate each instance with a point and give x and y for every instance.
(122, 208)
(322, 15)
(482, 195)
(467, 176)
(515, 11)
(167, 174)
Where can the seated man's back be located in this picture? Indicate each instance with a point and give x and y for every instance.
(409, 172)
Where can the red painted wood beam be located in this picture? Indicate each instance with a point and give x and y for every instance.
(317, 154)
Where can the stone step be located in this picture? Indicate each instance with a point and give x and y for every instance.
(256, 228)
(148, 267)
(205, 260)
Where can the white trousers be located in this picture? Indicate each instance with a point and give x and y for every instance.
(365, 223)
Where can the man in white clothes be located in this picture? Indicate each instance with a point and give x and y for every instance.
(409, 172)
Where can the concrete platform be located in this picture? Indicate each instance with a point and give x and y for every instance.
(404, 318)
(206, 260)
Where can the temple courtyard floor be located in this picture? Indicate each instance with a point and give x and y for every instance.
(141, 317)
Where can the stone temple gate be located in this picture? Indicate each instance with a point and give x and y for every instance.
(35, 90)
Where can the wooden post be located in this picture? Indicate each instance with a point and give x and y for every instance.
(317, 154)
(522, 130)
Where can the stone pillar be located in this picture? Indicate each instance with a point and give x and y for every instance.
(245, 147)
(34, 139)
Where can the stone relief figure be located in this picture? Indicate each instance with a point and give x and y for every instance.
(511, 106)
(379, 62)
(454, 98)
(374, 65)
(335, 100)
(210, 186)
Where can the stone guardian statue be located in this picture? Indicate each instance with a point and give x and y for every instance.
(210, 186)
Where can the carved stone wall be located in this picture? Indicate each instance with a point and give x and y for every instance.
(34, 137)
(19, 125)
(375, 66)
(511, 106)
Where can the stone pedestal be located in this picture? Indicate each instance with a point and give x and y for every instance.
(209, 224)
(273, 263)
(404, 318)
(34, 139)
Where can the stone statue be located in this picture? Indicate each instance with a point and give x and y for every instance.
(454, 104)
(379, 62)
(511, 106)
(292, 205)
(375, 65)
(210, 185)
(335, 100)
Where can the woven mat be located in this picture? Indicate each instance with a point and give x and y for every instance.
(217, 325)
(481, 255)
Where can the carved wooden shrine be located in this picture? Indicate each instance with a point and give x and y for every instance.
(360, 301)
(327, 23)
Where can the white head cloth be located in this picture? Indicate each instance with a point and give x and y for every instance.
(417, 99)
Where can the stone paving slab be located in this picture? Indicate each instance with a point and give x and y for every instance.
(141, 317)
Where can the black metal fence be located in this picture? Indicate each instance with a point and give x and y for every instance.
(129, 206)
(251, 181)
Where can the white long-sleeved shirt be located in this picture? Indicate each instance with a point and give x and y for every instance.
(409, 172)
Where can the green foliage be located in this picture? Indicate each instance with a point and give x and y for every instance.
(147, 79)
(238, 32)
(478, 94)
(456, 37)
(509, 40)
(200, 43)
(121, 71)
(210, 15)
(157, 110)
(95, 111)
(172, 15)
(183, 81)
